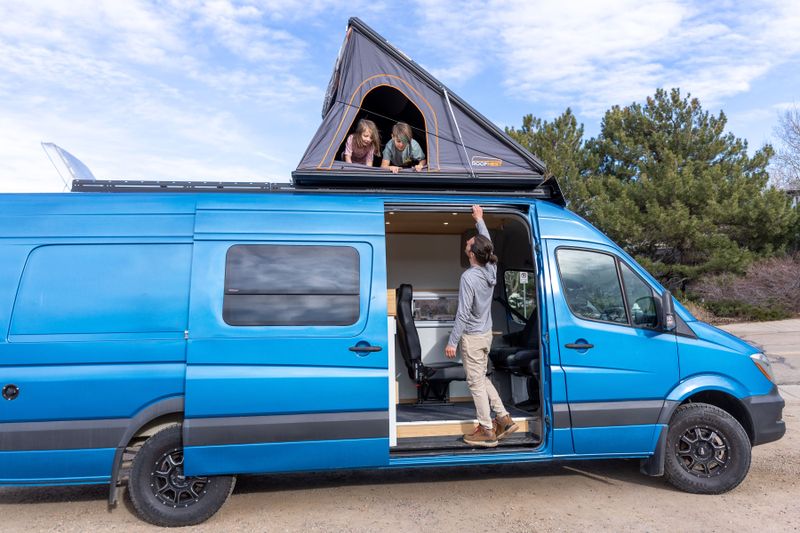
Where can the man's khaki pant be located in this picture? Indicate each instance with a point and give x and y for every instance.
(475, 356)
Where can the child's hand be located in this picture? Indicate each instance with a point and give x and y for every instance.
(419, 167)
(394, 169)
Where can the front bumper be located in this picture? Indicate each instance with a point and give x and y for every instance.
(766, 413)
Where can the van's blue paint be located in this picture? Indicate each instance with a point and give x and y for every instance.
(116, 368)
(273, 389)
(286, 456)
(102, 288)
(81, 392)
(54, 467)
(614, 439)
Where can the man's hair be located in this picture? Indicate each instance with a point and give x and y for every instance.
(483, 249)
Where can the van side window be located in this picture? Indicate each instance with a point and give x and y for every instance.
(641, 302)
(591, 285)
(291, 285)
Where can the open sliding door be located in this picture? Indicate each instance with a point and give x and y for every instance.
(287, 355)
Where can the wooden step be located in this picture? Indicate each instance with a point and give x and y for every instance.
(445, 428)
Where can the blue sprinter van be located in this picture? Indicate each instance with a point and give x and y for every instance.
(171, 340)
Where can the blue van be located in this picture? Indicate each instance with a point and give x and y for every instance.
(170, 341)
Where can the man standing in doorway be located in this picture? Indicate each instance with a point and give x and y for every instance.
(473, 328)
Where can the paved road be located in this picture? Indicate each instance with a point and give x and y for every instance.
(597, 495)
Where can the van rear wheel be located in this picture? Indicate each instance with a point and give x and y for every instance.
(708, 451)
(162, 495)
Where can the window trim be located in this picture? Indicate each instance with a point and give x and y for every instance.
(358, 294)
(620, 262)
(620, 281)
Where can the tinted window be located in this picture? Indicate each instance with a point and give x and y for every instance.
(591, 285)
(279, 285)
(641, 303)
(520, 294)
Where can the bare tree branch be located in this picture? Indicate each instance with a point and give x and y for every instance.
(786, 172)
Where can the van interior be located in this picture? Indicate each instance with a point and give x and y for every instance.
(425, 259)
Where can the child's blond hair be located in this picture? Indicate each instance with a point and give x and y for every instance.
(367, 125)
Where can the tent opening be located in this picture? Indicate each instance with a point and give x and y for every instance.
(385, 106)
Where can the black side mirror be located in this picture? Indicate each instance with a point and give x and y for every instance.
(666, 312)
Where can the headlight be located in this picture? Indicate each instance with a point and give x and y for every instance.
(762, 362)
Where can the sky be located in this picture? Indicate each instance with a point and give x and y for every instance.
(232, 90)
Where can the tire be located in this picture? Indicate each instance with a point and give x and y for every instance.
(708, 451)
(159, 492)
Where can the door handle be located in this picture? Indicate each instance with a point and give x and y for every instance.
(365, 349)
(578, 346)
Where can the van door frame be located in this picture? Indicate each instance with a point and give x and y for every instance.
(525, 212)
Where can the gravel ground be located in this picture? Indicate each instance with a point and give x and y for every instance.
(596, 495)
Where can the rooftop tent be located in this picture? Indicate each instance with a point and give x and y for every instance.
(372, 79)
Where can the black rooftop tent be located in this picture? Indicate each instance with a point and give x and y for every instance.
(372, 79)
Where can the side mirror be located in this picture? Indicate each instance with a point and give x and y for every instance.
(667, 312)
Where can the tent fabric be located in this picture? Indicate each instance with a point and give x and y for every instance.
(367, 62)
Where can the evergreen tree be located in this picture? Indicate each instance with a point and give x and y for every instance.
(682, 195)
(665, 181)
(560, 145)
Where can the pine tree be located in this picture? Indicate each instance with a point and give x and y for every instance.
(681, 194)
(669, 184)
(560, 145)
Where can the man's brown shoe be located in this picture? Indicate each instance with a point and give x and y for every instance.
(504, 426)
(482, 437)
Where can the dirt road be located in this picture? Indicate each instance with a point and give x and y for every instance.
(597, 495)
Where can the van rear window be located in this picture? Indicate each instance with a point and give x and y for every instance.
(291, 285)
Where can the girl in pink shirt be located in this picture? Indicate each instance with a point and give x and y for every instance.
(362, 145)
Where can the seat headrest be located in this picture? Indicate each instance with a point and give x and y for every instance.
(405, 293)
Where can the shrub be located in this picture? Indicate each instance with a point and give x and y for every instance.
(769, 290)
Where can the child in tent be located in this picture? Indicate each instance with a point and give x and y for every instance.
(403, 151)
(362, 145)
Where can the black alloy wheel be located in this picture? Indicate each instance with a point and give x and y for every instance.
(162, 494)
(708, 451)
(169, 484)
(703, 452)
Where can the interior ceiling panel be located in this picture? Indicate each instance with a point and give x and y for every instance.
(437, 223)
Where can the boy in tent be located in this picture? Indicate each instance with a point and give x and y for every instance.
(403, 151)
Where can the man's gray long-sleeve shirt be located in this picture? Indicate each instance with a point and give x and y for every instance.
(475, 298)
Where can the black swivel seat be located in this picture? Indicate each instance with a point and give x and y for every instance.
(433, 379)
(521, 358)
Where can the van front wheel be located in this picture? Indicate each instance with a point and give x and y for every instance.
(708, 451)
(162, 495)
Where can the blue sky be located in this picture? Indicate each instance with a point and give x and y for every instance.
(223, 90)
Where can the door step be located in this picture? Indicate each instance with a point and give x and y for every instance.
(447, 428)
(415, 445)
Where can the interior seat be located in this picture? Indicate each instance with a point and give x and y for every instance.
(433, 379)
(521, 355)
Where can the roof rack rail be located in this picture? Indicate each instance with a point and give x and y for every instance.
(548, 190)
(172, 186)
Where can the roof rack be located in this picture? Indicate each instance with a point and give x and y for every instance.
(547, 190)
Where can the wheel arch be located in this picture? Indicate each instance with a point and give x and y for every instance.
(713, 389)
(147, 421)
(719, 391)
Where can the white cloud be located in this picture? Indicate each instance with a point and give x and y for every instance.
(596, 54)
